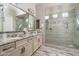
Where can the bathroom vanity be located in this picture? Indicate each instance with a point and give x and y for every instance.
(20, 38)
(19, 44)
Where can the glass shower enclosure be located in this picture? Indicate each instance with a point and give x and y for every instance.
(62, 28)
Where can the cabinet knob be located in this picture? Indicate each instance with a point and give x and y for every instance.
(38, 40)
(22, 50)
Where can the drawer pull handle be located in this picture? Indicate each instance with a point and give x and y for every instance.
(7, 48)
(22, 50)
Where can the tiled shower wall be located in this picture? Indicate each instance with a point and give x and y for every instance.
(1, 17)
(59, 31)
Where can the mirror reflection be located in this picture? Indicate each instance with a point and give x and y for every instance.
(21, 22)
(31, 23)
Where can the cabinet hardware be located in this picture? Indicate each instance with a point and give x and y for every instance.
(22, 50)
(7, 48)
(38, 40)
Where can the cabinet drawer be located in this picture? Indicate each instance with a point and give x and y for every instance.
(19, 51)
(21, 42)
(15, 52)
(6, 48)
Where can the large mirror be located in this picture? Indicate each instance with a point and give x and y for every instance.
(13, 18)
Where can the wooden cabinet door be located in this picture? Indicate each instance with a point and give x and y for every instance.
(35, 43)
(30, 47)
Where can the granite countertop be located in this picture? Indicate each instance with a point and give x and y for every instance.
(3, 42)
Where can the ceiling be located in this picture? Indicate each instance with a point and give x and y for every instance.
(55, 4)
(57, 7)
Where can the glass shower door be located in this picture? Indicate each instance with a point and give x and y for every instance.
(60, 29)
(76, 30)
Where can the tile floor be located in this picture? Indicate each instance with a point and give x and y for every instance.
(49, 51)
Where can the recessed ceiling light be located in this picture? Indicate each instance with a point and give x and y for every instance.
(46, 17)
(55, 16)
(65, 14)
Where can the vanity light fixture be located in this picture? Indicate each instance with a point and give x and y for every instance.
(55, 15)
(65, 14)
(46, 17)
